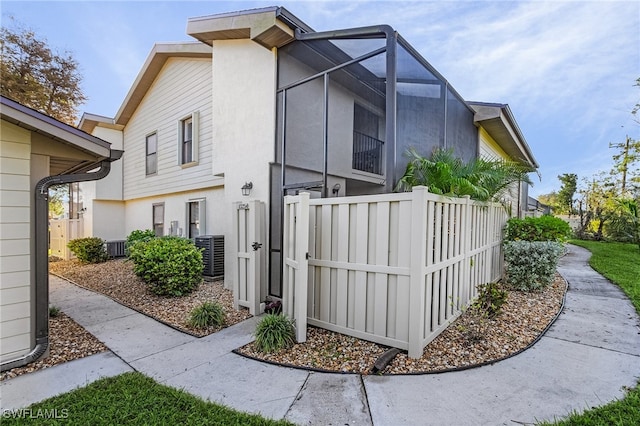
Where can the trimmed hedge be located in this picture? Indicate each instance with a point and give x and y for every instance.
(89, 250)
(171, 266)
(543, 228)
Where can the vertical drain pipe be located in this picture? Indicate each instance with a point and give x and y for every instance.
(42, 255)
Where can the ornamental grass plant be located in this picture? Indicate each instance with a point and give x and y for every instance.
(274, 332)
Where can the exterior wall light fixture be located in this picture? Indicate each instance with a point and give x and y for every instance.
(246, 188)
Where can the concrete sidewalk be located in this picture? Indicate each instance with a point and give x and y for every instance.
(586, 359)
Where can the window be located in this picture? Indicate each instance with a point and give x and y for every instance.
(196, 218)
(188, 140)
(158, 219)
(152, 154)
(367, 148)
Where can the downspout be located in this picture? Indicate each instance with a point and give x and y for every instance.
(42, 255)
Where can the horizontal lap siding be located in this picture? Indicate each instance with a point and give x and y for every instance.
(15, 245)
(182, 87)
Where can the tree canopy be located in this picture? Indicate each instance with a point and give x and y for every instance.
(37, 76)
(567, 191)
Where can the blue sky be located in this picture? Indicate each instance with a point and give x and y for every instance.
(566, 68)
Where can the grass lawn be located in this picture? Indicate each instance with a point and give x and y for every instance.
(620, 263)
(134, 399)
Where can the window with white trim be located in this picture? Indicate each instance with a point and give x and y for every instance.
(196, 214)
(158, 219)
(151, 152)
(188, 139)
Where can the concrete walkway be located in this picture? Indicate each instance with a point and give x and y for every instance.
(586, 359)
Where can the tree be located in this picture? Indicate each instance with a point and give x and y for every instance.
(550, 199)
(58, 196)
(36, 76)
(445, 174)
(567, 192)
(626, 162)
(625, 222)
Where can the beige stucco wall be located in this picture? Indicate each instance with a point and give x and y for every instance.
(104, 214)
(110, 187)
(15, 245)
(139, 212)
(243, 99)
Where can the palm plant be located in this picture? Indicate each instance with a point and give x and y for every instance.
(446, 174)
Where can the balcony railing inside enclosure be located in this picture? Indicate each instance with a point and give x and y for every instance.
(367, 153)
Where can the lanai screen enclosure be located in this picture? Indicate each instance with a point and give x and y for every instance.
(349, 105)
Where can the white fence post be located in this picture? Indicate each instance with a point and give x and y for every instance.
(295, 266)
(418, 266)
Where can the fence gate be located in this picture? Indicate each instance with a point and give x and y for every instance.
(249, 273)
(295, 261)
(61, 231)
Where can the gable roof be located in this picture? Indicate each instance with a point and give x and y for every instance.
(158, 56)
(499, 122)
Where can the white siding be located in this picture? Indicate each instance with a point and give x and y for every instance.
(15, 250)
(182, 87)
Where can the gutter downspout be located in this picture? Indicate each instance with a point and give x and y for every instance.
(42, 255)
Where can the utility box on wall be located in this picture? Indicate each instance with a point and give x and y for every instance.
(212, 255)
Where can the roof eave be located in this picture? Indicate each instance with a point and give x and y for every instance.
(270, 27)
(38, 122)
(88, 122)
(492, 115)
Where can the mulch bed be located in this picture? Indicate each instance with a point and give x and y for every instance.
(67, 341)
(471, 340)
(116, 279)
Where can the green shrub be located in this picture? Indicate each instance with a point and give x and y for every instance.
(54, 311)
(531, 265)
(206, 315)
(490, 299)
(89, 250)
(274, 332)
(171, 266)
(138, 236)
(543, 228)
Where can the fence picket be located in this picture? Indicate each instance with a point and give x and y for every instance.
(362, 228)
(392, 268)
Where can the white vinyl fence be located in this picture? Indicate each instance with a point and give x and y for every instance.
(61, 231)
(394, 269)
